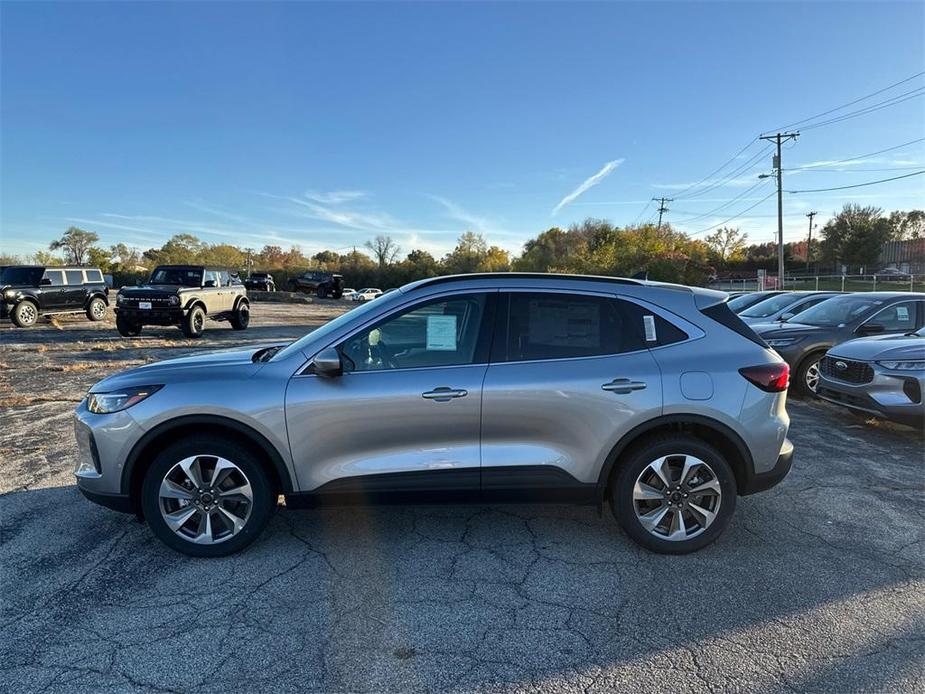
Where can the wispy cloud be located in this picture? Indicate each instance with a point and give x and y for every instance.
(335, 197)
(459, 213)
(588, 183)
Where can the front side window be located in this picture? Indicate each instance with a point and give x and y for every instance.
(442, 332)
(211, 276)
(56, 277)
(899, 316)
(75, 277)
(563, 326)
(225, 279)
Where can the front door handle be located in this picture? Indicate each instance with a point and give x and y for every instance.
(622, 386)
(444, 394)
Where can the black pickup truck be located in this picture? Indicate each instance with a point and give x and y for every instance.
(322, 284)
(260, 281)
(30, 291)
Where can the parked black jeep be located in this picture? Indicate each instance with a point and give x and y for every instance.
(323, 284)
(30, 291)
(260, 281)
(183, 295)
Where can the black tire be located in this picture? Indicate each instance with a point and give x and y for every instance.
(636, 462)
(126, 327)
(25, 314)
(194, 322)
(322, 291)
(803, 371)
(261, 508)
(241, 317)
(96, 309)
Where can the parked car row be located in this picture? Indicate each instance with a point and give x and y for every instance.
(864, 351)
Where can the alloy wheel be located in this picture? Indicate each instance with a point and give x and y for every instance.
(99, 309)
(677, 497)
(812, 376)
(205, 499)
(27, 313)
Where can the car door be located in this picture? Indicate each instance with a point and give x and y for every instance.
(75, 295)
(212, 291)
(404, 416)
(53, 294)
(569, 376)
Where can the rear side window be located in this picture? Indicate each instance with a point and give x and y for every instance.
(723, 315)
(562, 326)
(94, 276)
(899, 316)
(74, 276)
(56, 277)
(654, 330)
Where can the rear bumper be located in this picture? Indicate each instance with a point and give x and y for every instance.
(759, 482)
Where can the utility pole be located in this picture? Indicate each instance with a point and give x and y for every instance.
(661, 209)
(780, 138)
(809, 239)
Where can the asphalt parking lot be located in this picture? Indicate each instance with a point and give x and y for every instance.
(818, 585)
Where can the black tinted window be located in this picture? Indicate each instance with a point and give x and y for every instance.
(56, 277)
(655, 330)
(75, 276)
(94, 276)
(562, 326)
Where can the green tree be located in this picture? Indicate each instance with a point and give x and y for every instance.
(727, 244)
(180, 249)
(97, 257)
(46, 258)
(471, 249)
(75, 243)
(855, 236)
(222, 255)
(908, 225)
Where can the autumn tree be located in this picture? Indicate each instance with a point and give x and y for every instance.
(75, 243)
(727, 243)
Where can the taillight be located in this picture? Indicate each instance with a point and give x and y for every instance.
(771, 378)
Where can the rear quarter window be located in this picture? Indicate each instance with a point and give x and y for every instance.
(665, 332)
(94, 276)
(74, 277)
(723, 315)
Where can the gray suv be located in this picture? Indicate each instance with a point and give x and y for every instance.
(494, 387)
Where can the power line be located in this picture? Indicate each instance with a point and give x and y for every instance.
(642, 212)
(862, 156)
(744, 168)
(850, 103)
(851, 171)
(724, 205)
(734, 217)
(870, 109)
(718, 169)
(858, 185)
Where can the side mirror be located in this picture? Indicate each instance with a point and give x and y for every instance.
(787, 316)
(870, 329)
(327, 363)
(209, 283)
(45, 282)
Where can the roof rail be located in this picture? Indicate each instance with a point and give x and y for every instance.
(521, 275)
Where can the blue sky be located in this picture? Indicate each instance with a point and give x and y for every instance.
(322, 125)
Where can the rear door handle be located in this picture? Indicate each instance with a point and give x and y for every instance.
(444, 394)
(622, 386)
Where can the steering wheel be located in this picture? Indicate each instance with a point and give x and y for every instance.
(386, 354)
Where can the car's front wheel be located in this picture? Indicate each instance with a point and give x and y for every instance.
(241, 317)
(674, 494)
(207, 497)
(194, 322)
(126, 327)
(807, 376)
(24, 314)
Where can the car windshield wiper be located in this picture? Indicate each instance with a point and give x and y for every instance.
(266, 354)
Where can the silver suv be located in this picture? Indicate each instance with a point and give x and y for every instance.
(494, 387)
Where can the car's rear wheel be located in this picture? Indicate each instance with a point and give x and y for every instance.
(674, 495)
(241, 317)
(194, 322)
(808, 374)
(207, 497)
(96, 309)
(322, 291)
(24, 314)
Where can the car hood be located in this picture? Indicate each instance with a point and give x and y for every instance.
(881, 347)
(236, 361)
(148, 289)
(4, 287)
(778, 330)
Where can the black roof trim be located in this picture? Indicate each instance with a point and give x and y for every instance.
(445, 279)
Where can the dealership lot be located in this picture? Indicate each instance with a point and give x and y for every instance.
(818, 585)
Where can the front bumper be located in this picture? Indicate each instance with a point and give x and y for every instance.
(104, 442)
(759, 482)
(151, 316)
(890, 395)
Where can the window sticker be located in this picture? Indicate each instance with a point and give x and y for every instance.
(441, 333)
(648, 323)
(902, 312)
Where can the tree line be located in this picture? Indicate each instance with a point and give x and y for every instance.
(853, 238)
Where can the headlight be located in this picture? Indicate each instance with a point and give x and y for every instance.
(782, 341)
(173, 300)
(9, 294)
(907, 365)
(106, 403)
(120, 299)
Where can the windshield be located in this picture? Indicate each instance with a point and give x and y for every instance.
(357, 314)
(20, 275)
(838, 310)
(746, 300)
(769, 307)
(258, 275)
(184, 276)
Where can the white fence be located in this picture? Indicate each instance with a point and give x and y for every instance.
(842, 283)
